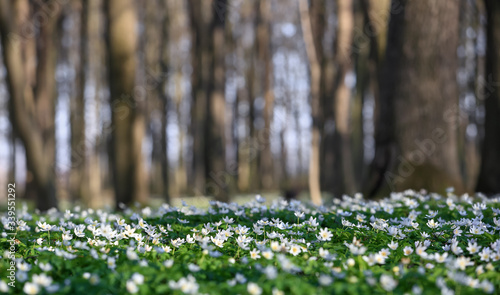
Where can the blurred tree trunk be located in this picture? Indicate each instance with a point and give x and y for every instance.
(313, 48)
(247, 153)
(208, 119)
(264, 57)
(377, 14)
(156, 64)
(416, 137)
(200, 35)
(217, 104)
(78, 177)
(178, 27)
(471, 13)
(95, 61)
(360, 52)
(181, 172)
(299, 153)
(127, 119)
(284, 175)
(30, 62)
(489, 175)
(163, 99)
(242, 157)
(330, 179)
(252, 153)
(330, 99)
(12, 162)
(241, 168)
(342, 98)
(254, 88)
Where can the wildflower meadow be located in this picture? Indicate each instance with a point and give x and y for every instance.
(408, 243)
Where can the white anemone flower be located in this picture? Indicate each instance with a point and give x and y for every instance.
(254, 289)
(132, 287)
(407, 250)
(324, 235)
(31, 288)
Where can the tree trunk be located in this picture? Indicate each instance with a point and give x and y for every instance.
(208, 24)
(181, 173)
(199, 80)
(263, 47)
(329, 179)
(331, 118)
(284, 175)
(360, 53)
(376, 14)
(163, 100)
(342, 98)
(156, 64)
(315, 71)
(489, 175)
(78, 177)
(95, 61)
(217, 144)
(126, 119)
(418, 116)
(177, 15)
(12, 154)
(32, 93)
(252, 152)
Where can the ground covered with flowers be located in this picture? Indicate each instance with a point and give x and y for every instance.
(409, 243)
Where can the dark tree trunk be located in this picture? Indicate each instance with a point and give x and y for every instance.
(208, 108)
(489, 175)
(216, 147)
(251, 149)
(78, 176)
(377, 14)
(416, 139)
(126, 117)
(360, 54)
(199, 81)
(156, 67)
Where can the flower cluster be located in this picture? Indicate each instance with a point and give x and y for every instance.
(409, 242)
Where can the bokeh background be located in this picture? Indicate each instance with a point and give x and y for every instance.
(103, 102)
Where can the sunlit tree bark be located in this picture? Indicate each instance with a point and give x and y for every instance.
(331, 157)
(315, 72)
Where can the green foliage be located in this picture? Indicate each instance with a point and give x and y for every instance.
(346, 248)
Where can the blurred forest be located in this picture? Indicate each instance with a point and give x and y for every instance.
(117, 101)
